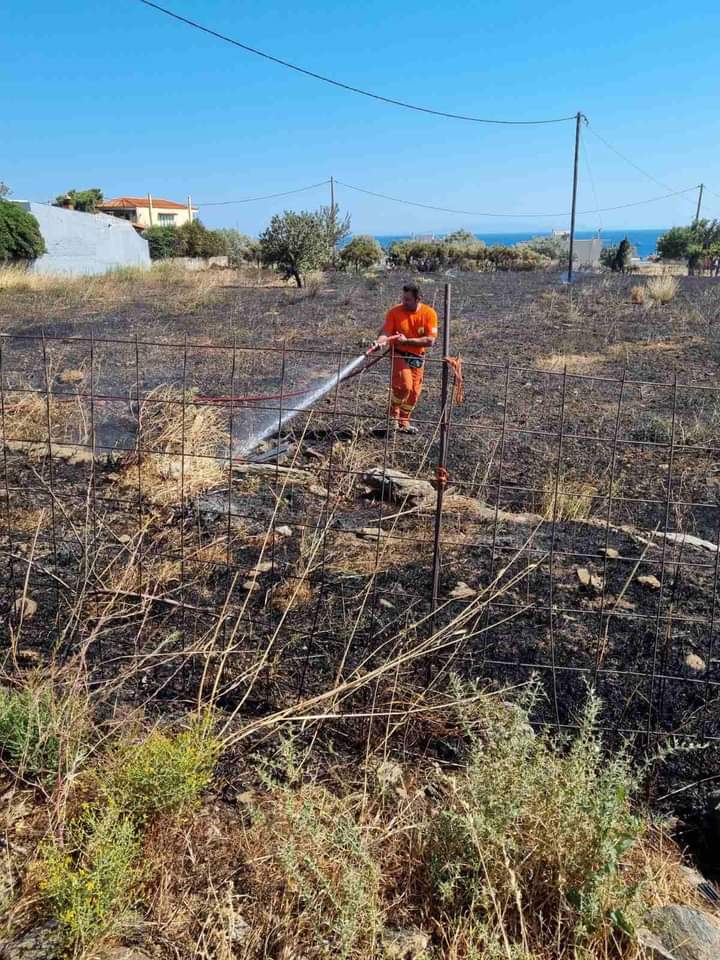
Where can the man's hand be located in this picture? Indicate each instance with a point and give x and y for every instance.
(400, 338)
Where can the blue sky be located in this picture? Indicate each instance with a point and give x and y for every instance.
(118, 96)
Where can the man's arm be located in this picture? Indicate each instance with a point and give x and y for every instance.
(416, 341)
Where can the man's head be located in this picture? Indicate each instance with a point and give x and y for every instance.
(410, 296)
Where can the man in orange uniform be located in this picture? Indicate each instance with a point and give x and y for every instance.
(414, 327)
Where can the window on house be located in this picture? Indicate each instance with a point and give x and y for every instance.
(166, 219)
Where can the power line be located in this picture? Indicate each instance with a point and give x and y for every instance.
(478, 213)
(627, 160)
(267, 196)
(586, 158)
(338, 83)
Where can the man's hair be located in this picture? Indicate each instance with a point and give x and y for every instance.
(412, 288)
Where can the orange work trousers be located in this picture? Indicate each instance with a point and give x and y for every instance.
(406, 386)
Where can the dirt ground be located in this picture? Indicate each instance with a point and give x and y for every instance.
(590, 427)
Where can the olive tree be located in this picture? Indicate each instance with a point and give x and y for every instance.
(361, 253)
(296, 243)
(20, 237)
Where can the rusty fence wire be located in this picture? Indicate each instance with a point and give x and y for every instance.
(139, 519)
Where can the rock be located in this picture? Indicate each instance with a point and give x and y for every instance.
(264, 566)
(652, 948)
(395, 485)
(43, 942)
(250, 585)
(461, 591)
(283, 531)
(588, 579)
(684, 933)
(25, 608)
(405, 943)
(650, 581)
(124, 953)
(386, 603)
(695, 663)
(611, 553)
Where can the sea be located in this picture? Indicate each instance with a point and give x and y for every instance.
(644, 240)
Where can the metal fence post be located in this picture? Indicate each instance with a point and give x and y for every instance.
(442, 454)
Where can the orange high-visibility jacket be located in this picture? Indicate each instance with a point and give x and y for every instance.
(423, 322)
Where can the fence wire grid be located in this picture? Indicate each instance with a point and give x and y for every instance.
(574, 514)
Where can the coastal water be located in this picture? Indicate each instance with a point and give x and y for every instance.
(644, 241)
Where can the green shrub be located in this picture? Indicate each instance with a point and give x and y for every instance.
(91, 878)
(533, 833)
(315, 864)
(41, 732)
(361, 253)
(164, 772)
(20, 237)
(163, 242)
(85, 201)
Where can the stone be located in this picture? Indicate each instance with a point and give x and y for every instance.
(43, 942)
(611, 553)
(284, 531)
(695, 663)
(684, 933)
(405, 943)
(587, 579)
(25, 608)
(250, 585)
(395, 485)
(386, 603)
(263, 566)
(650, 581)
(461, 591)
(652, 948)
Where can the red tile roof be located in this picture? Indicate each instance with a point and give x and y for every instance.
(130, 203)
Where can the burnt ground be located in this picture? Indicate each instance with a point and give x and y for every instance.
(611, 405)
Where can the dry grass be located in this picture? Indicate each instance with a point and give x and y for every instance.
(182, 448)
(662, 289)
(638, 294)
(26, 419)
(567, 499)
(573, 362)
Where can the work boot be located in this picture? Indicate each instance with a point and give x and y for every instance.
(407, 428)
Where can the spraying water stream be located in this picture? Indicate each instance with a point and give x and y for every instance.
(274, 420)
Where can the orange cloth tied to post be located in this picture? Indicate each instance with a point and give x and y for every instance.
(408, 369)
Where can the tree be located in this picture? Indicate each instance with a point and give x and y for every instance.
(5, 190)
(694, 243)
(85, 201)
(553, 247)
(296, 243)
(617, 258)
(195, 240)
(361, 253)
(336, 229)
(163, 242)
(238, 246)
(20, 237)
(460, 237)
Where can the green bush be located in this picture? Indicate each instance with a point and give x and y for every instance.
(90, 879)
(163, 242)
(85, 201)
(433, 256)
(162, 773)
(20, 237)
(41, 733)
(535, 833)
(361, 253)
(316, 861)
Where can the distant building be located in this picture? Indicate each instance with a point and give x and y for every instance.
(84, 243)
(586, 253)
(149, 211)
(562, 234)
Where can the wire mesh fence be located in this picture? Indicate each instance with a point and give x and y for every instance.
(571, 520)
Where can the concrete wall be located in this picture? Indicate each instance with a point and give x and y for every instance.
(85, 243)
(586, 253)
(199, 263)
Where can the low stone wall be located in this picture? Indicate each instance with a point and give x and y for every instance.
(200, 263)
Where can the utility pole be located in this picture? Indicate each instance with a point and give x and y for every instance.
(578, 119)
(150, 209)
(700, 195)
(333, 252)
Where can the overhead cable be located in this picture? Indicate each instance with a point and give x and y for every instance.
(340, 84)
(478, 213)
(267, 196)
